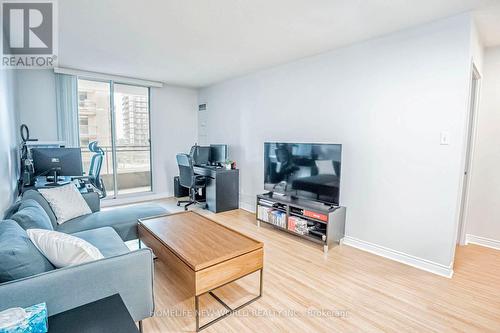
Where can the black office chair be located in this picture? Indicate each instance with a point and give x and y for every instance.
(187, 178)
(94, 174)
(192, 152)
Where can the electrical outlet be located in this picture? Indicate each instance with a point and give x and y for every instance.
(445, 138)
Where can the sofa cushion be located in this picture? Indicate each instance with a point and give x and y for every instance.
(35, 195)
(19, 258)
(31, 215)
(93, 200)
(122, 219)
(105, 239)
(12, 210)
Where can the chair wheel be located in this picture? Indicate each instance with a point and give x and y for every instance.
(178, 204)
(185, 208)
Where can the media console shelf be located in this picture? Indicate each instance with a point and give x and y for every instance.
(308, 219)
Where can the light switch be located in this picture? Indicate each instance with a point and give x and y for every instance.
(445, 138)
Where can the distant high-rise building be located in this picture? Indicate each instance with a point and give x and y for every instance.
(135, 121)
(93, 116)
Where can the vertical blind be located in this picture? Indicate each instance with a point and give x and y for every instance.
(67, 110)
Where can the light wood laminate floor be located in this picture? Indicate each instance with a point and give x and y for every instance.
(347, 290)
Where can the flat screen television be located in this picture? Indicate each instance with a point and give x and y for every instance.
(303, 170)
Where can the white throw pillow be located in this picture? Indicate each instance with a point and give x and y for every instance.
(66, 202)
(62, 249)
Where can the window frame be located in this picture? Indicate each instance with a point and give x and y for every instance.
(111, 83)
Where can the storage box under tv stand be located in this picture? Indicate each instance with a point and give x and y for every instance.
(331, 217)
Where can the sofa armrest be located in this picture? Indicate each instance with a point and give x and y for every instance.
(130, 275)
(93, 200)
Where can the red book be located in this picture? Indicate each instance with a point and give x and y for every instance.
(318, 216)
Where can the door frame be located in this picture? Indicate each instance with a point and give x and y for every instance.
(472, 116)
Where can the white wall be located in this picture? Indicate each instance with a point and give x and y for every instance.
(386, 101)
(173, 130)
(8, 140)
(477, 49)
(483, 217)
(173, 120)
(36, 101)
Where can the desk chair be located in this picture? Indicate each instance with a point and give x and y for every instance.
(187, 178)
(94, 174)
(193, 151)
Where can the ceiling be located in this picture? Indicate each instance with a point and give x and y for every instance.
(198, 42)
(488, 24)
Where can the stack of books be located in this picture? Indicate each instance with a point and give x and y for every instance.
(272, 216)
(298, 225)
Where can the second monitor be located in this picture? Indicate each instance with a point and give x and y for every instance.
(201, 155)
(218, 154)
(209, 155)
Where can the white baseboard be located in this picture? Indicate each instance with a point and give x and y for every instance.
(248, 207)
(142, 197)
(483, 241)
(426, 265)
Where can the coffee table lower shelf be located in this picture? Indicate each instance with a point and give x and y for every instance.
(228, 308)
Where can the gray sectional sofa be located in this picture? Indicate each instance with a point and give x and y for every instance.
(27, 278)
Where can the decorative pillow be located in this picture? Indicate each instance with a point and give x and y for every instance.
(32, 216)
(62, 249)
(66, 202)
(19, 258)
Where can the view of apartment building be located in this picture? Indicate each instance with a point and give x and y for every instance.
(135, 113)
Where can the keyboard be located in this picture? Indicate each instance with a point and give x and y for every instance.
(212, 167)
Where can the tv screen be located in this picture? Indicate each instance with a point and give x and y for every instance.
(305, 170)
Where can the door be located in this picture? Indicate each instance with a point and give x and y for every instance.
(133, 154)
(117, 117)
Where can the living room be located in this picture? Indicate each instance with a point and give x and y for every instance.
(250, 166)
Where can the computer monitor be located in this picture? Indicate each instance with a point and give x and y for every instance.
(57, 161)
(201, 155)
(218, 154)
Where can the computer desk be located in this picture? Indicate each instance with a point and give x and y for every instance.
(41, 182)
(223, 188)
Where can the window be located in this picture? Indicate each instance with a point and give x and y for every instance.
(122, 130)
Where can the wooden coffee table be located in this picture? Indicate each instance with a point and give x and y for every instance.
(205, 254)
